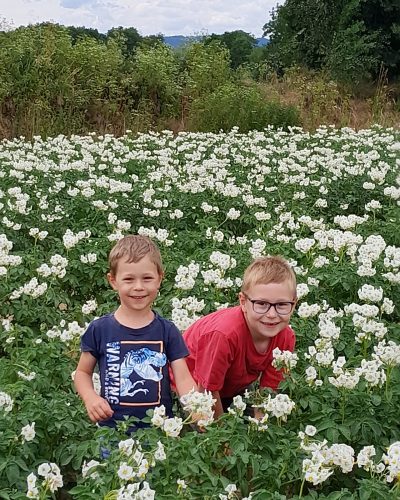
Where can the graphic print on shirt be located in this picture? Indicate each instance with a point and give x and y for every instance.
(134, 372)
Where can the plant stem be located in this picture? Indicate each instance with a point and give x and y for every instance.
(301, 487)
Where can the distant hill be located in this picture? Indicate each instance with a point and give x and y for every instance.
(178, 40)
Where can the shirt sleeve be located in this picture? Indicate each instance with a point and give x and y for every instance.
(271, 377)
(213, 358)
(175, 346)
(90, 341)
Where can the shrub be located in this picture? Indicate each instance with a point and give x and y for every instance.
(244, 107)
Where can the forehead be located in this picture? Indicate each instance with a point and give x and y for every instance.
(272, 292)
(143, 266)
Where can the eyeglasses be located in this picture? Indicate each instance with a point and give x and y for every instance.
(262, 306)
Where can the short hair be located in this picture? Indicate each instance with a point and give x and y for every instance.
(134, 248)
(265, 270)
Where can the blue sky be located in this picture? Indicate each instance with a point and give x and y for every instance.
(170, 17)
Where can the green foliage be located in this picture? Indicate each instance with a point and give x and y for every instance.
(350, 39)
(155, 79)
(354, 54)
(207, 67)
(51, 85)
(129, 38)
(239, 44)
(232, 105)
(77, 32)
(301, 32)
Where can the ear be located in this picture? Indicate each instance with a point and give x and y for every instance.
(111, 280)
(242, 301)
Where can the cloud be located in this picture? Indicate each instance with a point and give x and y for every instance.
(170, 17)
(73, 4)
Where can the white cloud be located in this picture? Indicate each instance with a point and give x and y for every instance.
(170, 17)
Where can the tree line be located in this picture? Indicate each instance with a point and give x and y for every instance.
(56, 79)
(65, 79)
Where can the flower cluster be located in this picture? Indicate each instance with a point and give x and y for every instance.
(6, 402)
(57, 267)
(171, 426)
(5, 258)
(324, 458)
(184, 311)
(185, 278)
(281, 406)
(364, 460)
(200, 406)
(28, 432)
(392, 461)
(237, 407)
(70, 239)
(66, 332)
(51, 483)
(33, 288)
(370, 294)
(89, 306)
(284, 359)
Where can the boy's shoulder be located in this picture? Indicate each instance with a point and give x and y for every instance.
(104, 320)
(166, 322)
(227, 321)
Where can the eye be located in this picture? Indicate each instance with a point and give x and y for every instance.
(148, 278)
(261, 303)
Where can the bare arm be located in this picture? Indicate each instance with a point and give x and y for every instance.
(96, 406)
(183, 379)
(218, 408)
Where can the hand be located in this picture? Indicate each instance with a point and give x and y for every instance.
(258, 414)
(98, 408)
(196, 417)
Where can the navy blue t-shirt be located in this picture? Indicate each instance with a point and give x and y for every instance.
(133, 363)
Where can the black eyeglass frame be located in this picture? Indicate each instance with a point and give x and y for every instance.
(271, 304)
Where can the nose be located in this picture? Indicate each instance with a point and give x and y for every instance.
(138, 285)
(271, 313)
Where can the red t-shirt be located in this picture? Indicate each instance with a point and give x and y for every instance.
(223, 356)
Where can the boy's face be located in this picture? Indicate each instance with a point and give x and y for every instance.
(266, 325)
(137, 284)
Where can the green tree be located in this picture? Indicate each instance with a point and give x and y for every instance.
(154, 80)
(50, 86)
(77, 32)
(35, 75)
(239, 44)
(207, 67)
(129, 39)
(350, 38)
(152, 40)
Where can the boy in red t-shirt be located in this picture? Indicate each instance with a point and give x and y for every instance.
(231, 348)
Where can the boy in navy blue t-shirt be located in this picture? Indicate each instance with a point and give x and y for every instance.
(133, 346)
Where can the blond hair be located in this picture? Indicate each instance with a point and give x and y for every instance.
(134, 248)
(265, 270)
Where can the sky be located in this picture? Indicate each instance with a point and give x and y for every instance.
(149, 17)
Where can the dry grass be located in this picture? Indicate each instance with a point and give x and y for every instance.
(323, 102)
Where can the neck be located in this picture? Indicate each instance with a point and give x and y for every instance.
(134, 319)
(261, 345)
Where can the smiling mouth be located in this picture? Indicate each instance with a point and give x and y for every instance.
(138, 296)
